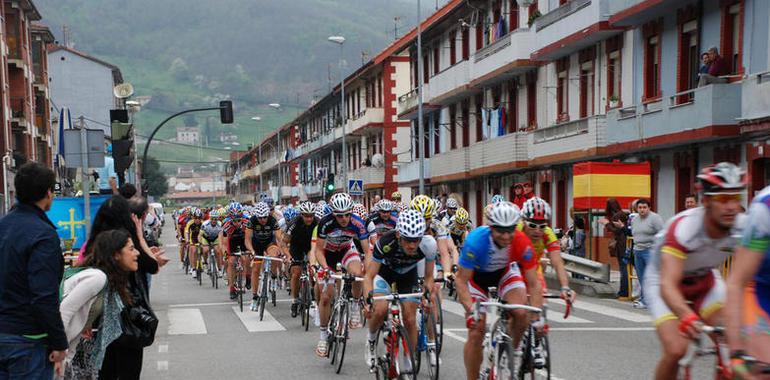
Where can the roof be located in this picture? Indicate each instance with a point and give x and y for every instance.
(29, 7)
(43, 30)
(117, 76)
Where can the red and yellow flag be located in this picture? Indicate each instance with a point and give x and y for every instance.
(594, 182)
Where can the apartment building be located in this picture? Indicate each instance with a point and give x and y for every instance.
(25, 111)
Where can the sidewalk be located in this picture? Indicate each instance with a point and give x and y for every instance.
(585, 287)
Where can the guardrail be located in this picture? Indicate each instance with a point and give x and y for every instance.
(594, 270)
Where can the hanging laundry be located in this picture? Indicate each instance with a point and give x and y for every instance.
(485, 123)
(500, 28)
(494, 121)
(501, 121)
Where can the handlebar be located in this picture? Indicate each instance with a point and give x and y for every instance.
(396, 296)
(266, 258)
(505, 306)
(346, 276)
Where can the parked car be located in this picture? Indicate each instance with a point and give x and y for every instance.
(158, 208)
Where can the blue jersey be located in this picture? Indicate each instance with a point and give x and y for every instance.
(756, 237)
(481, 254)
(340, 238)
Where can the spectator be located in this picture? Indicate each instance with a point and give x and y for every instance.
(645, 226)
(690, 201)
(518, 195)
(706, 59)
(528, 190)
(127, 190)
(717, 69)
(105, 176)
(32, 336)
(615, 220)
(92, 300)
(577, 241)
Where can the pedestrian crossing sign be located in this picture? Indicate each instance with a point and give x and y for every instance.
(356, 187)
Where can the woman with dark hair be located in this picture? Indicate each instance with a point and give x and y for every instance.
(615, 222)
(92, 300)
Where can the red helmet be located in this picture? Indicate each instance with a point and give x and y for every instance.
(724, 177)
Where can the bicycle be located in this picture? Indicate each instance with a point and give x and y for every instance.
(239, 285)
(398, 360)
(305, 295)
(213, 269)
(267, 284)
(500, 361)
(531, 341)
(425, 343)
(199, 263)
(339, 322)
(704, 345)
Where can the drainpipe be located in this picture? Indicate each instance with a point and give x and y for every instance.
(6, 198)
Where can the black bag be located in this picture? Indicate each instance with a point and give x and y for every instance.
(138, 321)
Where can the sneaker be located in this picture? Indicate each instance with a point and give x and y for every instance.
(539, 357)
(322, 349)
(432, 357)
(639, 305)
(369, 354)
(233, 295)
(294, 308)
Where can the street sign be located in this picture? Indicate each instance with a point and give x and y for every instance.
(74, 151)
(356, 187)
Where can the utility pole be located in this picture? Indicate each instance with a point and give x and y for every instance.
(395, 27)
(420, 127)
(85, 180)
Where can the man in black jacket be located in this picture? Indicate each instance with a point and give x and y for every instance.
(32, 335)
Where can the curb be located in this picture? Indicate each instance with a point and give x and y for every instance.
(583, 287)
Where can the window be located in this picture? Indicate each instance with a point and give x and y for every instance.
(562, 89)
(479, 125)
(532, 100)
(688, 59)
(586, 59)
(466, 123)
(436, 59)
(452, 47)
(466, 43)
(479, 35)
(425, 74)
(732, 34)
(452, 127)
(651, 33)
(613, 47)
(513, 16)
(436, 130)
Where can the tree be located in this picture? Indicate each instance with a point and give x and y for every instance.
(156, 181)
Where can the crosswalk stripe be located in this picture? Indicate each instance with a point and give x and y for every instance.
(185, 322)
(555, 316)
(252, 323)
(608, 311)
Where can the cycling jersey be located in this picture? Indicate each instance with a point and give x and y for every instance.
(263, 234)
(300, 236)
(388, 252)
(757, 238)
(438, 230)
(549, 243)
(235, 230)
(192, 231)
(481, 254)
(458, 234)
(685, 238)
(381, 226)
(338, 238)
(211, 230)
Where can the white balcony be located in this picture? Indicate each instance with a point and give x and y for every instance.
(312, 190)
(267, 165)
(407, 103)
(367, 117)
(499, 153)
(454, 163)
(369, 174)
(410, 171)
(582, 135)
(716, 105)
(510, 54)
(756, 97)
(448, 84)
(571, 27)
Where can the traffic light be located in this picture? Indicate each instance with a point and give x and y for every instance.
(329, 184)
(226, 111)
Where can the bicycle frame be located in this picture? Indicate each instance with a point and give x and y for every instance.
(389, 327)
(702, 346)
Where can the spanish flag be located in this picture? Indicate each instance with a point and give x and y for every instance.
(594, 182)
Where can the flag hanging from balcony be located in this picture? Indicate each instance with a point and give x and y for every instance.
(594, 182)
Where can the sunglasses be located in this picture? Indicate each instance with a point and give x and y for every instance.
(347, 215)
(412, 240)
(726, 197)
(504, 230)
(539, 226)
(308, 215)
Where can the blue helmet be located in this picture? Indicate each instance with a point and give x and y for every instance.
(234, 209)
(269, 200)
(290, 213)
(497, 198)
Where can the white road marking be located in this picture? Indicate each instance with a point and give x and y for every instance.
(608, 311)
(453, 307)
(251, 322)
(553, 315)
(217, 303)
(602, 329)
(186, 322)
(162, 348)
(162, 365)
(171, 246)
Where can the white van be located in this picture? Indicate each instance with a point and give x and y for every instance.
(159, 212)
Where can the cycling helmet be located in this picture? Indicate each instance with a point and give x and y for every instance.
(306, 208)
(376, 207)
(341, 202)
(197, 213)
(396, 196)
(321, 202)
(234, 209)
(452, 203)
(290, 213)
(411, 224)
(536, 209)
(261, 210)
(724, 177)
(461, 217)
(213, 214)
(385, 205)
(360, 210)
(423, 204)
(322, 211)
(269, 201)
(497, 198)
(503, 214)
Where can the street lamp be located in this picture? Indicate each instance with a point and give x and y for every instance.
(340, 40)
(420, 126)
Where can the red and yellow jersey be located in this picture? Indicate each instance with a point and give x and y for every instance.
(549, 243)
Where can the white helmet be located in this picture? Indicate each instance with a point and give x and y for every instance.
(385, 205)
(341, 202)
(503, 214)
(452, 203)
(536, 208)
(261, 210)
(306, 208)
(411, 224)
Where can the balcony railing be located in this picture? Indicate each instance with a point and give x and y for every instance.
(756, 103)
(410, 171)
(366, 117)
(453, 78)
(510, 148)
(409, 100)
(369, 174)
(582, 134)
(559, 13)
(453, 162)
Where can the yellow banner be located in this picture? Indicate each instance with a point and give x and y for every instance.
(611, 185)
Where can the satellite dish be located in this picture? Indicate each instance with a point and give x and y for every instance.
(123, 90)
(378, 160)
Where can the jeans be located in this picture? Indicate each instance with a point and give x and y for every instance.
(24, 358)
(641, 258)
(623, 291)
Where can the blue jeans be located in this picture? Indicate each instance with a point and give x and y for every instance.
(24, 358)
(641, 258)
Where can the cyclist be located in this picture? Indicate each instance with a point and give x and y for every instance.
(459, 226)
(234, 240)
(394, 263)
(384, 219)
(495, 256)
(427, 207)
(192, 233)
(181, 224)
(682, 281)
(298, 235)
(748, 305)
(261, 241)
(210, 235)
(336, 233)
(397, 204)
(535, 216)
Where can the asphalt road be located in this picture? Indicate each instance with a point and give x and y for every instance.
(202, 336)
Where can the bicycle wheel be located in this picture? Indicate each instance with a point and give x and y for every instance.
(263, 283)
(433, 368)
(239, 289)
(332, 350)
(527, 364)
(186, 262)
(305, 304)
(342, 334)
(547, 353)
(402, 357)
